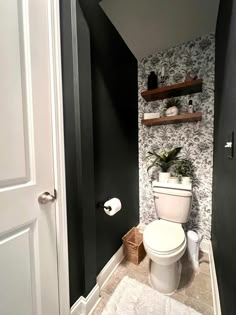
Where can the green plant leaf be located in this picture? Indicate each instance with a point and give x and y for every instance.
(152, 164)
(173, 154)
(152, 153)
(165, 160)
(185, 167)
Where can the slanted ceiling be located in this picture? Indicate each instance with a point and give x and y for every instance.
(149, 26)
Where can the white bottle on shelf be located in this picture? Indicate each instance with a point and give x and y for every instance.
(190, 107)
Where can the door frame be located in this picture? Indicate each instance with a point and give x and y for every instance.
(59, 155)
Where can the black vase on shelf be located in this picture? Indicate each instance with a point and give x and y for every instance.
(152, 81)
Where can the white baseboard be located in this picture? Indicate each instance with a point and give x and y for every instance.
(84, 306)
(206, 247)
(214, 284)
(110, 267)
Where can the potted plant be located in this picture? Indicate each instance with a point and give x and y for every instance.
(185, 169)
(172, 107)
(164, 160)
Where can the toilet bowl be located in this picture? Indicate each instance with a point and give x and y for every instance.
(165, 244)
(164, 239)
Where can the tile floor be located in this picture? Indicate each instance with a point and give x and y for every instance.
(194, 288)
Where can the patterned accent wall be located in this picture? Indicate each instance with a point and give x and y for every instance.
(196, 139)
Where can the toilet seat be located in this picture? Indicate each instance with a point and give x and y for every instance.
(164, 237)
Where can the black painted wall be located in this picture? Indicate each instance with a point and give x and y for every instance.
(77, 101)
(115, 127)
(224, 176)
(101, 138)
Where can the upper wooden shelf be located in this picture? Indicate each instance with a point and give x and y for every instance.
(184, 88)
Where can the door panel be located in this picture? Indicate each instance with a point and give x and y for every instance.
(28, 255)
(14, 162)
(16, 276)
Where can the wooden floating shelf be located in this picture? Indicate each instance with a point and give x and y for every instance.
(184, 88)
(173, 119)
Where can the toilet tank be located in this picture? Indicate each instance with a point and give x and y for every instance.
(173, 204)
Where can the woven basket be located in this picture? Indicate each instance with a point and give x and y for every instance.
(133, 246)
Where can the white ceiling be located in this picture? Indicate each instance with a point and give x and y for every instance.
(149, 26)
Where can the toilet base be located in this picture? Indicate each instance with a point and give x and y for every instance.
(165, 278)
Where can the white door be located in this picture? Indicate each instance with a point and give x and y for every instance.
(28, 256)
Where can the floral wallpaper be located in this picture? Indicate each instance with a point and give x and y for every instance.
(196, 139)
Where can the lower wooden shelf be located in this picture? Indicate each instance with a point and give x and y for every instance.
(173, 119)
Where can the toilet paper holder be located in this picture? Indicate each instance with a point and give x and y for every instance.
(101, 205)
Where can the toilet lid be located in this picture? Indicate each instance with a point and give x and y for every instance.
(164, 236)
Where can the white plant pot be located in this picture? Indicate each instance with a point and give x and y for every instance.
(173, 180)
(164, 177)
(186, 180)
(172, 111)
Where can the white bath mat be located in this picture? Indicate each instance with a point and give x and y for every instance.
(134, 298)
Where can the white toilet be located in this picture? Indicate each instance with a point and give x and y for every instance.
(164, 239)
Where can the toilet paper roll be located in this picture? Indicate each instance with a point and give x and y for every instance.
(115, 205)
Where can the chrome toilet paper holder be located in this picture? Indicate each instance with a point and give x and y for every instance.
(101, 205)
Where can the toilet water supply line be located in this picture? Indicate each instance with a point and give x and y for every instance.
(194, 241)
